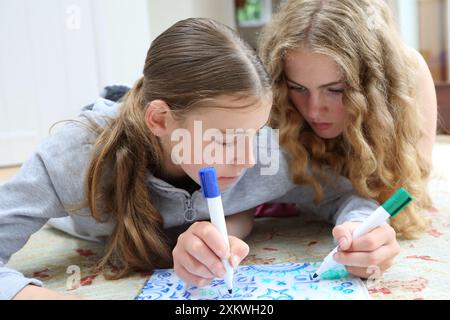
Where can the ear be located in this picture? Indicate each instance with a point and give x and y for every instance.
(158, 117)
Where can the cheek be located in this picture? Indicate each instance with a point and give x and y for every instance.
(201, 158)
(299, 101)
(340, 112)
(339, 115)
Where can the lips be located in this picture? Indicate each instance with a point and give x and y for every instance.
(322, 125)
(228, 178)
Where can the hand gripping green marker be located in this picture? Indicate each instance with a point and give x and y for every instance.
(389, 209)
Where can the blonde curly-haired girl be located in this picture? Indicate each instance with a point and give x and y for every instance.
(351, 96)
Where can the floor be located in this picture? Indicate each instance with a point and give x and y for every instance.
(7, 173)
(421, 271)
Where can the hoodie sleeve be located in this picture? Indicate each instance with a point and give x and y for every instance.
(26, 203)
(48, 185)
(340, 202)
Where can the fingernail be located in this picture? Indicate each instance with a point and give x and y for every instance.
(221, 272)
(343, 242)
(336, 256)
(235, 261)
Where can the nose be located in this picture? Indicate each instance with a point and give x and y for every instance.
(315, 106)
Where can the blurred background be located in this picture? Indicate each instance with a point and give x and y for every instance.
(57, 55)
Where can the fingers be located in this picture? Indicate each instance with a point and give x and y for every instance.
(381, 235)
(209, 234)
(238, 251)
(376, 238)
(196, 253)
(193, 265)
(343, 234)
(189, 277)
(369, 255)
(373, 272)
(366, 259)
(199, 252)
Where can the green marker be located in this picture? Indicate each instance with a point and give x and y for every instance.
(390, 208)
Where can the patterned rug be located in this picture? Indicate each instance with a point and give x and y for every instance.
(421, 271)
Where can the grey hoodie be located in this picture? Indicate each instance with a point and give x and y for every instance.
(52, 180)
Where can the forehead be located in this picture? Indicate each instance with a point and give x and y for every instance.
(231, 112)
(306, 65)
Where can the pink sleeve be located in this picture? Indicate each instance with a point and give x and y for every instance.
(276, 210)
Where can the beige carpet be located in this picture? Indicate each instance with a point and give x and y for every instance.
(421, 270)
(7, 173)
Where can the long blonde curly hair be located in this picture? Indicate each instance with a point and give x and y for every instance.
(378, 149)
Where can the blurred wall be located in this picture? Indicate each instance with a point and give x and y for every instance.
(122, 36)
(57, 55)
(164, 13)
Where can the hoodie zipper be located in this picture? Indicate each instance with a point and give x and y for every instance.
(189, 212)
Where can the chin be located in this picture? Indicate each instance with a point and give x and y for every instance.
(328, 136)
(223, 186)
(226, 185)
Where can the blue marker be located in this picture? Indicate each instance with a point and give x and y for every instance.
(210, 188)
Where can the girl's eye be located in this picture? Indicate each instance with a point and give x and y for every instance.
(225, 141)
(296, 88)
(336, 91)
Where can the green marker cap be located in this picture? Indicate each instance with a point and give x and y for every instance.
(397, 202)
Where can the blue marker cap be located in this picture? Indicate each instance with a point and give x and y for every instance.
(208, 181)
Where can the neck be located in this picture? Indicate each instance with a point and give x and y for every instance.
(170, 170)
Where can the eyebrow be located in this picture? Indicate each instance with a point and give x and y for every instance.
(322, 86)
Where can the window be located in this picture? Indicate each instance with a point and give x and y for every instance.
(253, 13)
